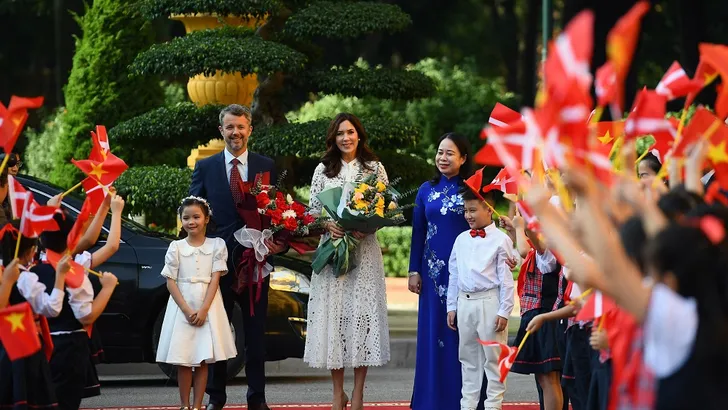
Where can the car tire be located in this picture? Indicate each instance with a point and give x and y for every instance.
(234, 366)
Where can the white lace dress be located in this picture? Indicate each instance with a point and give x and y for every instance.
(347, 316)
(181, 343)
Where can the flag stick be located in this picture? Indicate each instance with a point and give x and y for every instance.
(641, 157)
(93, 272)
(75, 187)
(601, 323)
(17, 245)
(5, 162)
(492, 209)
(597, 114)
(523, 340)
(582, 296)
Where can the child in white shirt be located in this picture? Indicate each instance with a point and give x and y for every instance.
(480, 299)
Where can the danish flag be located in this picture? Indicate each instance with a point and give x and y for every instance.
(595, 307)
(518, 146)
(528, 216)
(36, 218)
(676, 83)
(648, 116)
(501, 117)
(101, 147)
(18, 197)
(605, 84)
(505, 360)
(503, 182)
(569, 56)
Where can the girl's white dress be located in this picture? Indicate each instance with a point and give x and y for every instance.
(347, 316)
(181, 343)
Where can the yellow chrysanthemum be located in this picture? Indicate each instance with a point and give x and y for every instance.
(361, 205)
(392, 206)
(381, 187)
(379, 212)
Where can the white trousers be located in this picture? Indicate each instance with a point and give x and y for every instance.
(476, 318)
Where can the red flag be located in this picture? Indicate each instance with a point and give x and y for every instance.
(528, 216)
(96, 193)
(76, 273)
(605, 84)
(18, 332)
(12, 119)
(595, 307)
(101, 147)
(503, 182)
(505, 360)
(18, 197)
(500, 118)
(104, 172)
(676, 83)
(716, 56)
(569, 57)
(79, 227)
(699, 124)
(475, 182)
(648, 116)
(37, 219)
(704, 75)
(621, 43)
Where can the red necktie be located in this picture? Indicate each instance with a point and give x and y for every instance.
(477, 232)
(236, 182)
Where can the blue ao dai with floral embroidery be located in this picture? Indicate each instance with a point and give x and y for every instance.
(437, 220)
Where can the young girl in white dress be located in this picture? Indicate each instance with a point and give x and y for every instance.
(196, 330)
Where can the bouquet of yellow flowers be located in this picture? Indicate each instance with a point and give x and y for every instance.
(363, 206)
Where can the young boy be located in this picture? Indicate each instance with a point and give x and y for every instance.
(480, 296)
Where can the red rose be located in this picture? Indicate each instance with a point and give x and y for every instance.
(276, 216)
(290, 224)
(281, 202)
(308, 219)
(262, 199)
(298, 208)
(279, 195)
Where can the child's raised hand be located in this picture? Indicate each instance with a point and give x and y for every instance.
(500, 323)
(55, 201)
(63, 266)
(117, 204)
(12, 271)
(451, 319)
(108, 279)
(535, 324)
(518, 221)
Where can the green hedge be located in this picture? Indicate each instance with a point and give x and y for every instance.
(229, 49)
(395, 242)
(153, 9)
(99, 90)
(155, 192)
(345, 20)
(365, 82)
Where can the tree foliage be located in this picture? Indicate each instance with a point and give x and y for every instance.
(345, 20)
(152, 9)
(228, 49)
(378, 83)
(99, 90)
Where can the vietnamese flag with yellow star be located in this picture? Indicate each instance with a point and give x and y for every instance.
(18, 332)
(12, 119)
(716, 56)
(104, 172)
(76, 272)
(101, 147)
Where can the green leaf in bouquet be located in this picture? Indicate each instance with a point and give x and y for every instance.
(330, 199)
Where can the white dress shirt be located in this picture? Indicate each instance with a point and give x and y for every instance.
(35, 293)
(242, 166)
(670, 329)
(479, 264)
(546, 262)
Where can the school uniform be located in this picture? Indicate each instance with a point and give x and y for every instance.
(687, 355)
(480, 289)
(577, 357)
(540, 290)
(600, 381)
(27, 383)
(74, 373)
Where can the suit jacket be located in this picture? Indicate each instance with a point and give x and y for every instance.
(210, 181)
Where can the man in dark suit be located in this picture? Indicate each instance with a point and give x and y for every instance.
(217, 179)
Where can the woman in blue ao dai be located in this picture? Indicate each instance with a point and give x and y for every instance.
(437, 220)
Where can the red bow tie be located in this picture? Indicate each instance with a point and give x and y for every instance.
(477, 232)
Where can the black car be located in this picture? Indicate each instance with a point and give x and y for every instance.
(130, 325)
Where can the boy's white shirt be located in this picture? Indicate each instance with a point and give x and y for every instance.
(546, 262)
(479, 264)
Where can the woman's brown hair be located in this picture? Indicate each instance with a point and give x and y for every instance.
(332, 157)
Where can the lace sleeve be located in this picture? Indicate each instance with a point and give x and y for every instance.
(382, 173)
(317, 185)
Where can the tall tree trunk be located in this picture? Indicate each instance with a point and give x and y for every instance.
(506, 25)
(529, 69)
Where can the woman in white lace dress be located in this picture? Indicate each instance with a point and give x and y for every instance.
(347, 316)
